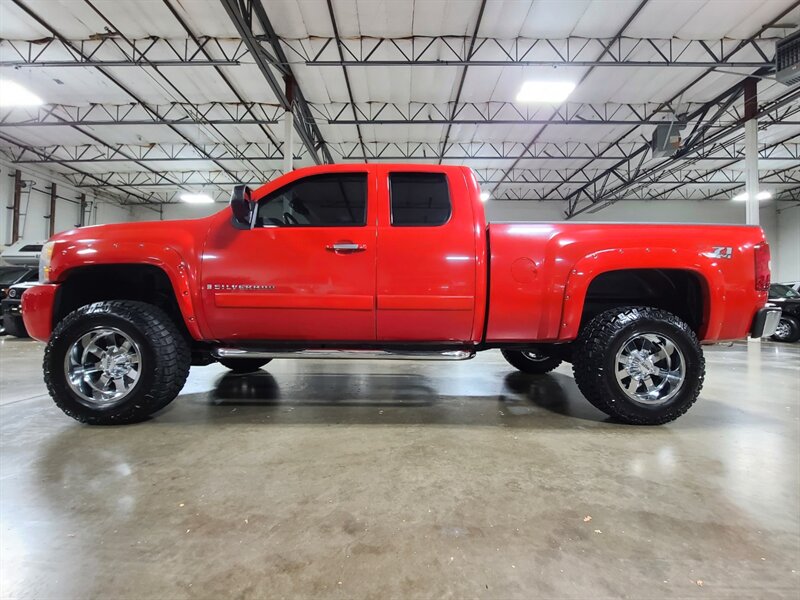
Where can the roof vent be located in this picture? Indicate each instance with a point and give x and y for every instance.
(787, 59)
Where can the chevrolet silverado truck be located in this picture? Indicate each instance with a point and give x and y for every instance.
(390, 261)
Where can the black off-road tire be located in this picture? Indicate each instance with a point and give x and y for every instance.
(792, 330)
(164, 364)
(527, 364)
(595, 355)
(15, 326)
(242, 366)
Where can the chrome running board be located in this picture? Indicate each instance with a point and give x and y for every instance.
(228, 353)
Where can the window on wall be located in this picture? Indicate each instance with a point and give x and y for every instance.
(332, 200)
(419, 199)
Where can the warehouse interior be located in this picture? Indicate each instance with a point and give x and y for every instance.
(361, 479)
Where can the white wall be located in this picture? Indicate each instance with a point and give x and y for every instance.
(787, 246)
(35, 205)
(176, 211)
(673, 211)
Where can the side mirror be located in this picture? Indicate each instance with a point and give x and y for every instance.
(242, 207)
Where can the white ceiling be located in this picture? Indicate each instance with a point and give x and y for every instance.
(306, 25)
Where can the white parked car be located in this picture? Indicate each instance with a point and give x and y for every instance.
(23, 252)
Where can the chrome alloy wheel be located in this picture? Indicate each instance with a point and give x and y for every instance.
(782, 331)
(650, 368)
(103, 366)
(534, 356)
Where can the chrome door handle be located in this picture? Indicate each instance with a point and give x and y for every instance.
(346, 247)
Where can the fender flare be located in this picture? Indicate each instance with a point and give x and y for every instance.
(164, 257)
(592, 265)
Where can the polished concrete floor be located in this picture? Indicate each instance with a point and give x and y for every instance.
(404, 480)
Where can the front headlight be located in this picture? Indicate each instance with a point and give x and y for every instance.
(44, 262)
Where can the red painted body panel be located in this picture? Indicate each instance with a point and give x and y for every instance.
(37, 310)
(426, 275)
(549, 266)
(408, 284)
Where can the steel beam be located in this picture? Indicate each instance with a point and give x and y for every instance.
(176, 113)
(242, 17)
(110, 50)
(550, 152)
(347, 78)
(162, 152)
(529, 178)
(621, 177)
(463, 77)
(126, 193)
(695, 133)
(511, 113)
(376, 113)
(77, 51)
(457, 51)
(220, 72)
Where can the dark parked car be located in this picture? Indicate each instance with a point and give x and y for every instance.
(10, 276)
(11, 310)
(789, 300)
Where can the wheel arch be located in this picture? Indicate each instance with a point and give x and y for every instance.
(143, 282)
(668, 279)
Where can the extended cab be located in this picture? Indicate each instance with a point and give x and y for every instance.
(393, 261)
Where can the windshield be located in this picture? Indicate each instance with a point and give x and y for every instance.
(778, 290)
(10, 275)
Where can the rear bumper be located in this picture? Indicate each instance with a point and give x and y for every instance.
(37, 310)
(765, 322)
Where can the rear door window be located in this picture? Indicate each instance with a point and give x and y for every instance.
(419, 199)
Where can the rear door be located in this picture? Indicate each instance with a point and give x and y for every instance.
(426, 256)
(305, 271)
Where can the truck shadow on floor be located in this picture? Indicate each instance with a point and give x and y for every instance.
(517, 400)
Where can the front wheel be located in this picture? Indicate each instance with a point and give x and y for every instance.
(115, 362)
(532, 362)
(242, 366)
(788, 330)
(639, 365)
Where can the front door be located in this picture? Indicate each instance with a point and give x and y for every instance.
(305, 271)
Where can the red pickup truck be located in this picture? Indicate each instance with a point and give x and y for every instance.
(390, 261)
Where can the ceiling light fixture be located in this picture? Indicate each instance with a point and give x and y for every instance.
(197, 198)
(743, 196)
(545, 91)
(485, 196)
(13, 94)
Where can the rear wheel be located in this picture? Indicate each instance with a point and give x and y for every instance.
(639, 365)
(115, 362)
(242, 366)
(788, 330)
(533, 362)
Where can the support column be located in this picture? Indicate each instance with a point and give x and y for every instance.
(82, 220)
(15, 206)
(288, 141)
(288, 128)
(751, 150)
(51, 230)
